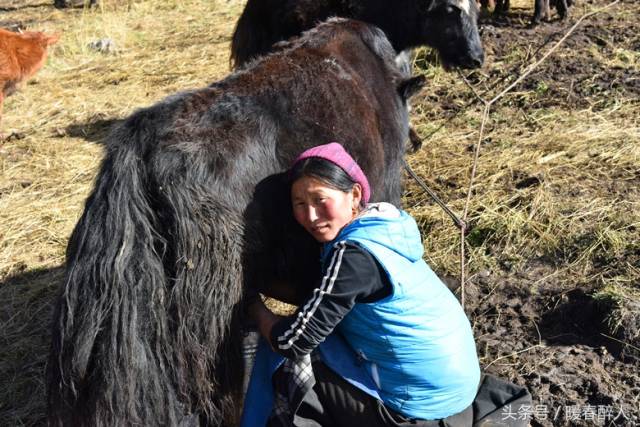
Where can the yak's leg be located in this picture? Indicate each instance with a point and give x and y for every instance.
(250, 339)
(487, 4)
(546, 4)
(562, 7)
(541, 11)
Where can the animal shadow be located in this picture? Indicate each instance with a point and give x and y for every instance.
(28, 298)
(25, 6)
(96, 129)
(576, 319)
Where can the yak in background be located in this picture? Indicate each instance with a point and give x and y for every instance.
(190, 207)
(449, 26)
(542, 8)
(21, 56)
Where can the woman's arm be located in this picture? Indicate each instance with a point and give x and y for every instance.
(352, 275)
(264, 318)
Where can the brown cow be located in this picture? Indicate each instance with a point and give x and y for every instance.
(21, 56)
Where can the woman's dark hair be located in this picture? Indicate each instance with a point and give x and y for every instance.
(324, 170)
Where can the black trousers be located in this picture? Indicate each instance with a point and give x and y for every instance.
(334, 402)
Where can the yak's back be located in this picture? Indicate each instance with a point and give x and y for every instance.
(339, 37)
(341, 59)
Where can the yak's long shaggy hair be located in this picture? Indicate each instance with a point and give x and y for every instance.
(189, 206)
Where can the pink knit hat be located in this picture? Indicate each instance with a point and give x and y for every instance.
(336, 153)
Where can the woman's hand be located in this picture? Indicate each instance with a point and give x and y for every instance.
(264, 318)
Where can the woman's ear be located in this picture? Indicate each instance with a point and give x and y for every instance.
(356, 191)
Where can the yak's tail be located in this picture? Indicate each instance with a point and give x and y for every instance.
(251, 37)
(153, 280)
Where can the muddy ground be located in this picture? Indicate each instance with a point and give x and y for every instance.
(554, 341)
(557, 340)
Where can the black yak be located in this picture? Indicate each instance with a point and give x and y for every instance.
(190, 207)
(450, 26)
(543, 9)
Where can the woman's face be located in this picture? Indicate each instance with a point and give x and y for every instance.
(323, 210)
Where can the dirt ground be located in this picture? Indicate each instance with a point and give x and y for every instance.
(557, 340)
(550, 339)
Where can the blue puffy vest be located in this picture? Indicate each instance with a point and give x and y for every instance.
(417, 342)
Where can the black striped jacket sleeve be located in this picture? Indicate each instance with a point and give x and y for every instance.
(352, 275)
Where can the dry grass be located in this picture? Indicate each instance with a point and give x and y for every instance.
(575, 156)
(47, 172)
(580, 211)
